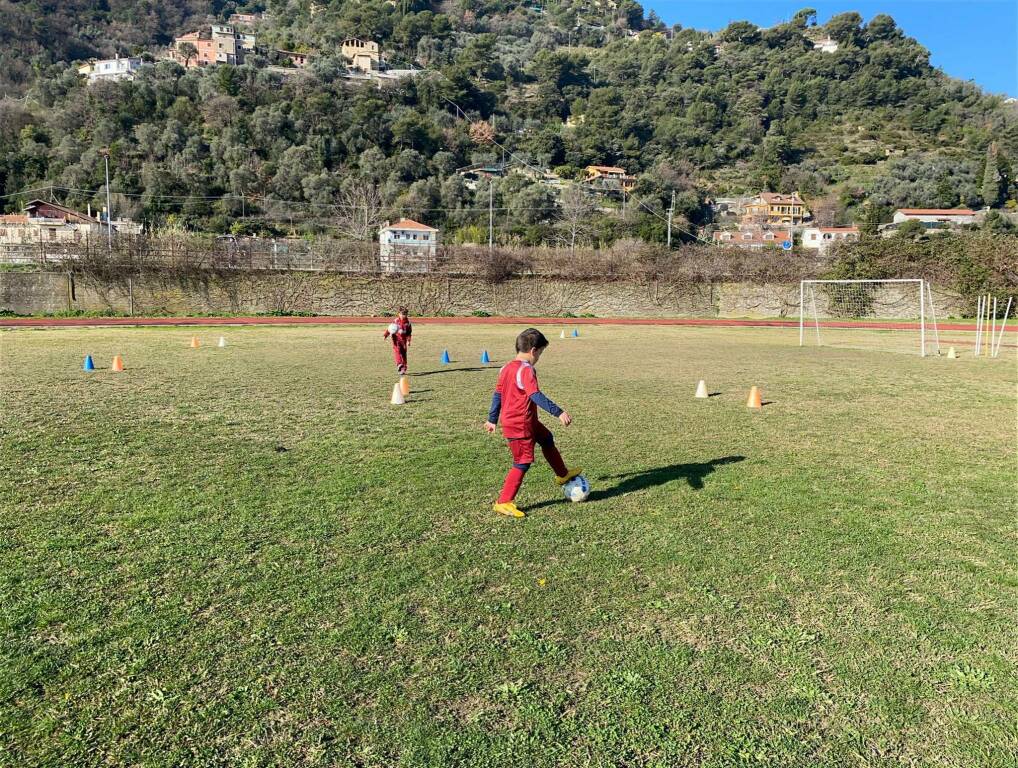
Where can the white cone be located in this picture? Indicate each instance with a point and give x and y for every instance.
(701, 389)
(222, 341)
(951, 354)
(397, 395)
(562, 335)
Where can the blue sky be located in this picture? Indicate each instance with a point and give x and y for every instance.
(969, 39)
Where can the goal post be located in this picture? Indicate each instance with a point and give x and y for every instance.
(889, 315)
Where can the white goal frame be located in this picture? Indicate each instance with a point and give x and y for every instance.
(926, 310)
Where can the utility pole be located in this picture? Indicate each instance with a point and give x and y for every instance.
(671, 209)
(105, 152)
(491, 215)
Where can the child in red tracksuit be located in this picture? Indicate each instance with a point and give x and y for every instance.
(516, 400)
(400, 339)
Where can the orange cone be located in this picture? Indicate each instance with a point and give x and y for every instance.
(404, 385)
(754, 398)
(118, 364)
(195, 343)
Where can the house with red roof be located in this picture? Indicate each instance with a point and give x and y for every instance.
(43, 222)
(407, 246)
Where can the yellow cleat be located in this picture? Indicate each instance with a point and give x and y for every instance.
(568, 476)
(509, 509)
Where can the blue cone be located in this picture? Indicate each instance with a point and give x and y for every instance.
(445, 357)
(484, 357)
(89, 365)
(576, 333)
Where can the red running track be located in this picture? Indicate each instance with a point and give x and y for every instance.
(76, 322)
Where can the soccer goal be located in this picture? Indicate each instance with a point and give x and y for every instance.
(889, 315)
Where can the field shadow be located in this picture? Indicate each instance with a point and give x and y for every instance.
(452, 370)
(693, 473)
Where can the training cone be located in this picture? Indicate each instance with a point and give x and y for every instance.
(89, 365)
(576, 333)
(754, 398)
(118, 364)
(951, 354)
(195, 343)
(562, 335)
(445, 357)
(222, 341)
(404, 385)
(484, 357)
(397, 395)
(701, 389)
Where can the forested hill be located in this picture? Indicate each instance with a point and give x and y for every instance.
(564, 84)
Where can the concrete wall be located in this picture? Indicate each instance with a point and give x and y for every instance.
(332, 294)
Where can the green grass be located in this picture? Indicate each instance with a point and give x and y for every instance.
(247, 557)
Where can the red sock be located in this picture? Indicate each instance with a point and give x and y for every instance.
(554, 459)
(512, 484)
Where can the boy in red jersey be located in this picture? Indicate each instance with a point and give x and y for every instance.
(516, 400)
(400, 339)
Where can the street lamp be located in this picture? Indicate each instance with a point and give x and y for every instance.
(105, 152)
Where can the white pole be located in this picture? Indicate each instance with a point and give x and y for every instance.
(1003, 327)
(979, 322)
(933, 316)
(802, 311)
(816, 315)
(922, 318)
(994, 323)
(988, 323)
(109, 205)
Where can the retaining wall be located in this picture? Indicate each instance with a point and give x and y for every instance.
(332, 294)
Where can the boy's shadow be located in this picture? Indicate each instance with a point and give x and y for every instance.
(631, 482)
(637, 481)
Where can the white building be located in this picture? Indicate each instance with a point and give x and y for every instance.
(407, 246)
(752, 238)
(110, 69)
(949, 216)
(822, 238)
(826, 45)
(362, 54)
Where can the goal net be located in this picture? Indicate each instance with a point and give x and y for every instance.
(887, 315)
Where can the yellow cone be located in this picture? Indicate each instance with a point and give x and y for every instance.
(701, 389)
(397, 395)
(195, 343)
(404, 385)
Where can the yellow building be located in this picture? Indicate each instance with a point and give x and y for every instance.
(774, 208)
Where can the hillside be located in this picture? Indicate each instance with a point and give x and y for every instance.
(869, 126)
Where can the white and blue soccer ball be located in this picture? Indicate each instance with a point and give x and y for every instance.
(393, 329)
(577, 489)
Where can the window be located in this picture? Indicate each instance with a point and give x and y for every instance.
(425, 237)
(812, 235)
(768, 236)
(747, 236)
(52, 234)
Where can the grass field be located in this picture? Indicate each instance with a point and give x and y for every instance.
(248, 557)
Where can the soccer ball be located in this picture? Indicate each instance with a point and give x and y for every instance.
(393, 329)
(577, 489)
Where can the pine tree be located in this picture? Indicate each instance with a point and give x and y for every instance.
(992, 187)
